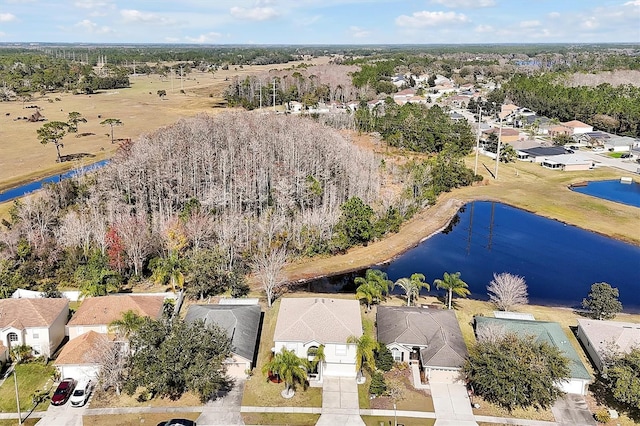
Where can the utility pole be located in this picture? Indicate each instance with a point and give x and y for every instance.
(181, 80)
(260, 85)
(475, 170)
(498, 150)
(15, 380)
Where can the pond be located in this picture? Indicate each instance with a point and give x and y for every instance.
(21, 190)
(612, 190)
(559, 262)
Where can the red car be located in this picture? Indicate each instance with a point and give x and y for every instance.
(63, 392)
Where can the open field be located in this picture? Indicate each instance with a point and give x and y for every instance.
(280, 419)
(31, 377)
(23, 158)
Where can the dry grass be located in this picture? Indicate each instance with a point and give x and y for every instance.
(406, 421)
(14, 422)
(150, 419)
(23, 158)
(488, 409)
(109, 399)
(280, 419)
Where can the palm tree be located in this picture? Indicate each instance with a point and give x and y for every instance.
(169, 269)
(372, 287)
(318, 359)
(453, 284)
(365, 345)
(290, 368)
(127, 324)
(412, 286)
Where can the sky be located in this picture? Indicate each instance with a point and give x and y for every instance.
(318, 22)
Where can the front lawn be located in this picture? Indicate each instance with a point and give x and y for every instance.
(109, 399)
(280, 419)
(406, 421)
(32, 377)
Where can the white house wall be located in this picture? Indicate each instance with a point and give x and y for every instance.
(595, 357)
(57, 331)
(336, 364)
(79, 330)
(577, 386)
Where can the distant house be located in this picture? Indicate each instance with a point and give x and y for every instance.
(79, 359)
(540, 154)
(558, 130)
(96, 313)
(620, 143)
(295, 107)
(242, 325)
(38, 323)
(593, 139)
(304, 324)
(551, 333)
(600, 337)
(578, 127)
(430, 338)
(568, 162)
(507, 134)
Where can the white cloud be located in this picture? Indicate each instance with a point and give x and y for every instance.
(632, 3)
(553, 15)
(430, 19)
(461, 4)
(254, 14)
(484, 29)
(92, 27)
(132, 15)
(92, 4)
(530, 24)
(7, 17)
(590, 23)
(357, 32)
(204, 38)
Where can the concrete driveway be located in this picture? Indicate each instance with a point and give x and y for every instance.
(572, 410)
(62, 415)
(224, 410)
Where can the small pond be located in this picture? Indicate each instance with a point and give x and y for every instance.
(559, 262)
(21, 190)
(612, 190)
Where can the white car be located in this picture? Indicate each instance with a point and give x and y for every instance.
(81, 393)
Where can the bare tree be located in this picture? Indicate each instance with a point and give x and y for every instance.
(507, 291)
(111, 356)
(136, 237)
(490, 332)
(268, 265)
(75, 231)
(199, 228)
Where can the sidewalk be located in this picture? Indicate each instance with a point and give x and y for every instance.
(340, 404)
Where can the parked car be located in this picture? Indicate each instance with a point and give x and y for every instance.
(625, 155)
(178, 422)
(82, 393)
(63, 392)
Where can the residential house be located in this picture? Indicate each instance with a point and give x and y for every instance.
(568, 162)
(620, 143)
(592, 139)
(4, 355)
(80, 357)
(600, 338)
(403, 96)
(559, 129)
(540, 154)
(96, 313)
(578, 127)
(551, 333)
(507, 134)
(304, 324)
(38, 323)
(430, 338)
(242, 325)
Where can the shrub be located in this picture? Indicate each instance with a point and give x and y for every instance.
(378, 386)
(602, 416)
(384, 359)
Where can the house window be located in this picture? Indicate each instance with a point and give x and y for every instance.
(397, 355)
(36, 335)
(37, 351)
(341, 350)
(13, 337)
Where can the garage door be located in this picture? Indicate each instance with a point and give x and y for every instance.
(78, 372)
(237, 370)
(445, 376)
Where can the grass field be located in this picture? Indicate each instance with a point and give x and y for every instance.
(23, 158)
(280, 419)
(31, 377)
(14, 422)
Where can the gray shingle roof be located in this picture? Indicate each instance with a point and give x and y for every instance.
(436, 331)
(241, 322)
(544, 151)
